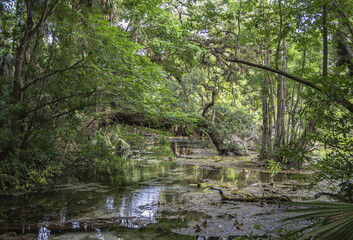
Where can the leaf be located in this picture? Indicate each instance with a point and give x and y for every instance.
(336, 223)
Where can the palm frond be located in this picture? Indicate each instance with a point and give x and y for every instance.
(334, 220)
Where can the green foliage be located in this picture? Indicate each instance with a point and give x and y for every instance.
(334, 132)
(103, 150)
(333, 220)
(275, 167)
(293, 155)
(236, 120)
(34, 164)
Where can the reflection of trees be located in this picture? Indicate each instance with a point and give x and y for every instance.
(246, 178)
(175, 149)
(244, 175)
(187, 147)
(265, 177)
(181, 149)
(207, 173)
(140, 203)
(280, 177)
(53, 206)
(87, 200)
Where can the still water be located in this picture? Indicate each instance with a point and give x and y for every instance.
(120, 208)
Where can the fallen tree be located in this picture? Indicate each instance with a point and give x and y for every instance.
(225, 145)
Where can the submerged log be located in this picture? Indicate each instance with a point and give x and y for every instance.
(76, 225)
(251, 198)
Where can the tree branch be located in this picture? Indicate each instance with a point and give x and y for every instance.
(45, 15)
(344, 102)
(62, 114)
(295, 78)
(60, 99)
(214, 95)
(344, 15)
(50, 74)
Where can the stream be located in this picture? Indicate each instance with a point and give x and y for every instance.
(156, 199)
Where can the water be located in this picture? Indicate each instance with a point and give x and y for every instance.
(126, 208)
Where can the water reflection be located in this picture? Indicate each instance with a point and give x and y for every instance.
(63, 214)
(179, 149)
(141, 203)
(75, 225)
(184, 147)
(99, 235)
(110, 203)
(266, 177)
(44, 233)
(149, 182)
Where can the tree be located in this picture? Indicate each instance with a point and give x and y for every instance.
(69, 66)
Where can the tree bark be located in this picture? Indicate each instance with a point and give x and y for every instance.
(212, 103)
(280, 124)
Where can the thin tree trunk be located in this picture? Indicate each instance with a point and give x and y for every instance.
(280, 92)
(293, 123)
(214, 99)
(324, 63)
(264, 151)
(280, 124)
(265, 125)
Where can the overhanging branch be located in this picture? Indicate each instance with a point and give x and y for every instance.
(61, 99)
(295, 78)
(50, 74)
(339, 99)
(63, 114)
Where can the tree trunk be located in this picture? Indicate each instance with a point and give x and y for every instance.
(293, 111)
(324, 63)
(280, 124)
(265, 122)
(264, 151)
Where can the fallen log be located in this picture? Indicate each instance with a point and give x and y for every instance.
(76, 225)
(251, 198)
